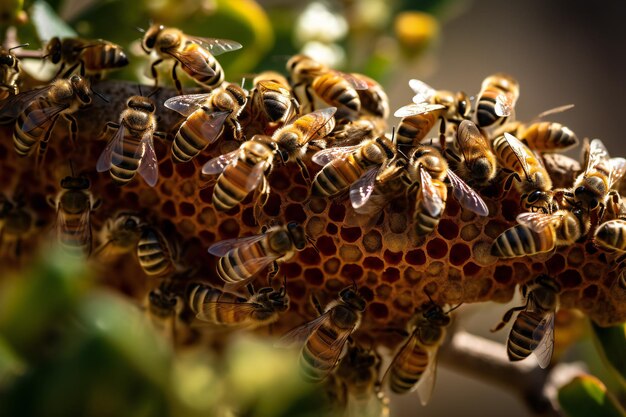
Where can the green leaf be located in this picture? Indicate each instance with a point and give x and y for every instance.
(585, 396)
(48, 23)
(611, 343)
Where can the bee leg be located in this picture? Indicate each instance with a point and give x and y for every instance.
(272, 273)
(154, 72)
(43, 145)
(304, 171)
(73, 127)
(316, 304)
(71, 70)
(442, 135)
(61, 68)
(237, 130)
(177, 82)
(507, 317)
(107, 126)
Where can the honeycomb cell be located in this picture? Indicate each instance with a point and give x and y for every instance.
(291, 270)
(403, 301)
(392, 258)
(315, 227)
(166, 168)
(391, 275)
(521, 272)
(510, 210)
(187, 227)
(373, 262)
(478, 288)
(503, 274)
(459, 254)
(314, 276)
(206, 195)
(555, 264)
(272, 206)
(337, 212)
(326, 245)
(454, 292)
(207, 217)
(248, 218)
(470, 232)
(297, 289)
(493, 228)
(482, 254)
(295, 213)
(398, 222)
(317, 205)
(331, 266)
(228, 229)
(185, 170)
(309, 256)
(350, 234)
(332, 229)
(351, 272)
(576, 256)
(366, 293)
(350, 253)
(591, 292)
(383, 291)
(592, 271)
(280, 181)
(169, 209)
(435, 268)
(412, 276)
(431, 288)
(470, 269)
(298, 194)
(467, 216)
(569, 279)
(379, 311)
(186, 209)
(396, 242)
(448, 229)
(452, 207)
(437, 248)
(372, 241)
(415, 257)
(148, 197)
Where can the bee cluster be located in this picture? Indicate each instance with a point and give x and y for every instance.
(299, 178)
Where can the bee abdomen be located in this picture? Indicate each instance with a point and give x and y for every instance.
(231, 268)
(316, 360)
(189, 140)
(549, 136)
(413, 129)
(403, 378)
(521, 342)
(153, 256)
(612, 235)
(333, 179)
(425, 224)
(485, 109)
(335, 90)
(520, 240)
(230, 188)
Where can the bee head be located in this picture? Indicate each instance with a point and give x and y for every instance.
(81, 88)
(351, 297)
(150, 38)
(7, 60)
(54, 50)
(141, 103)
(75, 183)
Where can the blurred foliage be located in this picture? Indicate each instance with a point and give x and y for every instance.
(611, 343)
(586, 396)
(81, 351)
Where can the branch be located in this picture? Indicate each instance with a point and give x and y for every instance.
(486, 360)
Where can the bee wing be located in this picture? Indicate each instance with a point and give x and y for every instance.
(504, 105)
(320, 118)
(11, 107)
(215, 46)
(211, 128)
(544, 334)
(301, 333)
(326, 156)
(355, 82)
(555, 110)
(539, 221)
(361, 189)
(466, 142)
(431, 199)
(148, 164)
(465, 195)
(186, 104)
(519, 151)
(426, 384)
(82, 231)
(218, 308)
(219, 163)
(618, 168)
(423, 92)
(419, 108)
(192, 60)
(112, 151)
(597, 154)
(40, 117)
(222, 248)
(256, 175)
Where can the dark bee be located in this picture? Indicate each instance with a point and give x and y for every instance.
(92, 57)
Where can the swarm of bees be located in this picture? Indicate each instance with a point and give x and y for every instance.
(329, 131)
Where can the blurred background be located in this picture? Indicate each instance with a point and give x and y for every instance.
(561, 52)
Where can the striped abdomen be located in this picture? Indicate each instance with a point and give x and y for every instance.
(612, 235)
(75, 235)
(520, 240)
(23, 142)
(423, 222)
(209, 81)
(486, 108)
(549, 136)
(124, 165)
(408, 367)
(413, 129)
(230, 188)
(103, 57)
(190, 140)
(231, 268)
(336, 91)
(521, 343)
(201, 294)
(337, 175)
(154, 254)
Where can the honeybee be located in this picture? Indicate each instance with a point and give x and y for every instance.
(529, 238)
(476, 162)
(272, 99)
(163, 307)
(94, 57)
(131, 148)
(325, 337)
(156, 256)
(241, 172)
(205, 118)
(533, 181)
(414, 367)
(374, 100)
(241, 259)
(121, 233)
(496, 100)
(16, 223)
(601, 173)
(533, 329)
(74, 205)
(215, 306)
(611, 235)
(542, 136)
(569, 226)
(9, 72)
(417, 121)
(317, 86)
(36, 112)
(458, 105)
(343, 166)
(196, 55)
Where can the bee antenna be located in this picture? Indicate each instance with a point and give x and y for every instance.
(100, 95)
(429, 297)
(401, 152)
(139, 88)
(393, 135)
(20, 46)
(243, 82)
(156, 90)
(72, 168)
(312, 243)
(453, 308)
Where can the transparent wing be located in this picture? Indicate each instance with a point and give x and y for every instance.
(504, 105)
(82, 231)
(519, 150)
(212, 124)
(219, 163)
(356, 83)
(403, 354)
(423, 92)
(255, 177)
(148, 164)
(539, 221)
(40, 117)
(112, 152)
(426, 384)
(618, 168)
(215, 46)
(326, 156)
(301, 333)
(190, 58)
(361, 189)
(467, 142)
(222, 248)
(430, 197)
(415, 109)
(597, 155)
(555, 110)
(219, 308)
(320, 118)
(466, 195)
(13, 106)
(544, 333)
(186, 104)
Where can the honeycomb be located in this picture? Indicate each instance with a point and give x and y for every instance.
(393, 272)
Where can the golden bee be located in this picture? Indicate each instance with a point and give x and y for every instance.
(325, 337)
(374, 100)
(36, 113)
(271, 99)
(317, 86)
(9, 72)
(241, 259)
(163, 307)
(458, 105)
(131, 148)
(212, 305)
(195, 55)
(414, 367)
(569, 225)
(611, 235)
(417, 120)
(206, 116)
(592, 187)
(16, 223)
(92, 57)
(533, 181)
(343, 166)
(496, 100)
(533, 329)
(242, 171)
(121, 233)
(156, 256)
(476, 162)
(74, 205)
